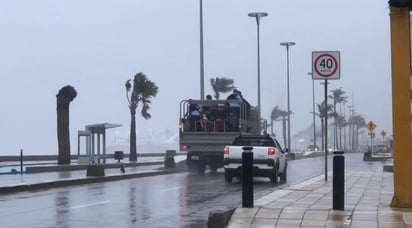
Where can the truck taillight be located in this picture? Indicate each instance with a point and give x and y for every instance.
(271, 151)
(226, 150)
(184, 147)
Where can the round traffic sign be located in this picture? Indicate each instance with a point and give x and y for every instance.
(326, 65)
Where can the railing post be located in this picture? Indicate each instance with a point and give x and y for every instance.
(21, 161)
(247, 177)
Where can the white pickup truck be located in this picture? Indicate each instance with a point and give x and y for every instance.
(269, 160)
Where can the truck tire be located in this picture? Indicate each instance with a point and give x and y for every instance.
(228, 176)
(274, 175)
(283, 176)
(201, 168)
(213, 167)
(192, 168)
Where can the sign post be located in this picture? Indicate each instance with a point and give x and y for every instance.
(371, 127)
(383, 134)
(325, 66)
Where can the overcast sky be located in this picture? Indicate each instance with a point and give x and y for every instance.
(96, 45)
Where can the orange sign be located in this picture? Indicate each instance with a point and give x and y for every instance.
(371, 126)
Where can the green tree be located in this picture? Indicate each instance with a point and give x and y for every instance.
(141, 91)
(341, 121)
(358, 122)
(284, 115)
(323, 113)
(337, 97)
(221, 85)
(64, 97)
(274, 116)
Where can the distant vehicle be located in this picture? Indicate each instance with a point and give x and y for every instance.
(381, 149)
(314, 148)
(269, 160)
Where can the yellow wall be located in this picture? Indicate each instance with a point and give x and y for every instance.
(401, 106)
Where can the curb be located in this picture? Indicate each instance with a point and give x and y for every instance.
(39, 169)
(79, 181)
(219, 219)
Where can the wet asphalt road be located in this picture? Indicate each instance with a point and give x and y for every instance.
(175, 200)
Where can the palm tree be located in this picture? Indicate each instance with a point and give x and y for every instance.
(337, 96)
(284, 115)
(323, 112)
(341, 121)
(143, 90)
(358, 122)
(274, 116)
(221, 85)
(64, 97)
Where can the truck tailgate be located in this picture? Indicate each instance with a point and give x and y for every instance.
(207, 141)
(235, 152)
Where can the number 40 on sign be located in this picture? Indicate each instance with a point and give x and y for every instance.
(326, 65)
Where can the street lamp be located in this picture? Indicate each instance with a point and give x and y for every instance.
(258, 15)
(202, 72)
(287, 44)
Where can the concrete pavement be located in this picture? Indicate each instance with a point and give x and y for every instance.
(309, 204)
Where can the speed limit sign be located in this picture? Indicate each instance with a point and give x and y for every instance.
(326, 65)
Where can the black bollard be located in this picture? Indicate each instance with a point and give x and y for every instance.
(21, 161)
(338, 180)
(247, 177)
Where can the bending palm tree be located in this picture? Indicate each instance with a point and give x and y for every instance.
(274, 116)
(323, 113)
(284, 115)
(221, 85)
(341, 121)
(143, 90)
(64, 97)
(337, 96)
(358, 122)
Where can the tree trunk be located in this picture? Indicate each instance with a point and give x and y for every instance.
(323, 134)
(133, 147)
(284, 133)
(353, 137)
(271, 128)
(340, 138)
(63, 135)
(350, 136)
(335, 139)
(357, 139)
(217, 96)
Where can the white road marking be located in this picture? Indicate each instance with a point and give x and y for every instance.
(170, 189)
(90, 204)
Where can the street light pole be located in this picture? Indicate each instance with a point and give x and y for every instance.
(258, 15)
(287, 44)
(202, 72)
(313, 104)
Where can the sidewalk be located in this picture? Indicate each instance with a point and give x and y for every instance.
(11, 183)
(309, 204)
